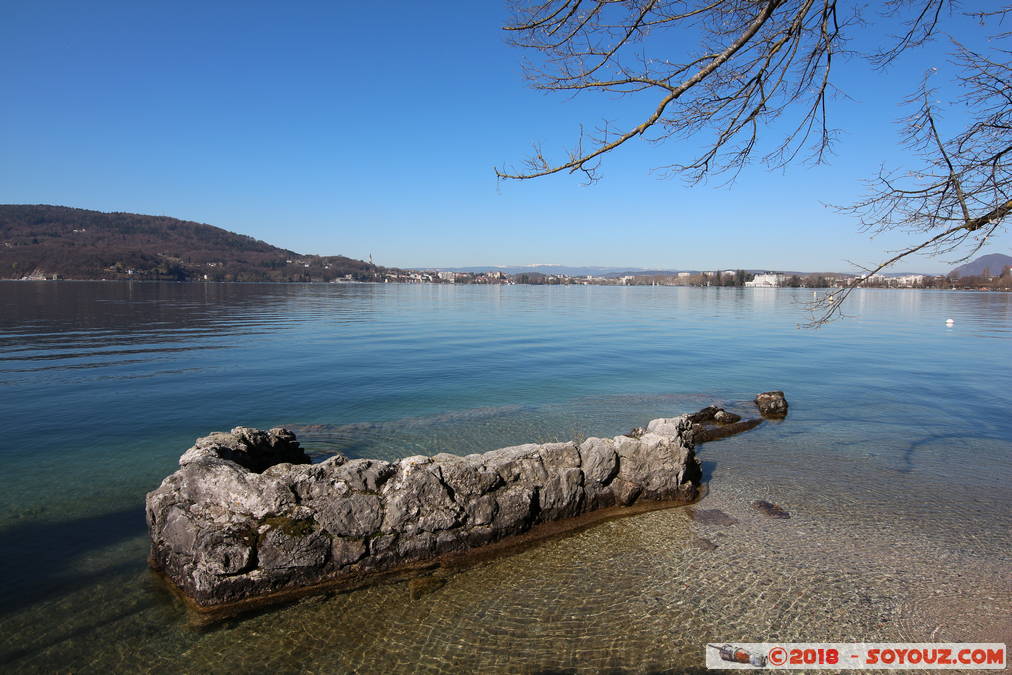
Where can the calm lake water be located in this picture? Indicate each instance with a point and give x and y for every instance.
(894, 463)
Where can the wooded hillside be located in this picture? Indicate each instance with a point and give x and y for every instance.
(58, 241)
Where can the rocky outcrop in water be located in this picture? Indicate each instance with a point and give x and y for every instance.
(713, 423)
(246, 515)
(772, 404)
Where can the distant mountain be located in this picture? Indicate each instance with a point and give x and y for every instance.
(44, 241)
(994, 263)
(639, 272)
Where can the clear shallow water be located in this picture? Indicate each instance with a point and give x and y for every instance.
(895, 462)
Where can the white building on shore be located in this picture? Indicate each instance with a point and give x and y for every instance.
(908, 280)
(902, 281)
(767, 281)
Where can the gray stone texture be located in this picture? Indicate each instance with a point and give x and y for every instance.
(247, 515)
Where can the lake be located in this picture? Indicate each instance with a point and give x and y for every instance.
(894, 464)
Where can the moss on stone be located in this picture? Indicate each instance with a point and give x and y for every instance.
(290, 526)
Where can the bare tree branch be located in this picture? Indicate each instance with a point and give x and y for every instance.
(729, 69)
(578, 161)
(962, 187)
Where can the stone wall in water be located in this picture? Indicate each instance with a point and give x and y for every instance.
(246, 515)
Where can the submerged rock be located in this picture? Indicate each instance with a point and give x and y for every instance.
(247, 516)
(702, 433)
(702, 544)
(769, 509)
(712, 517)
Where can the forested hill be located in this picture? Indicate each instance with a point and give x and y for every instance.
(39, 241)
(992, 264)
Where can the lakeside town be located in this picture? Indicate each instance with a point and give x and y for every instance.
(725, 278)
(731, 278)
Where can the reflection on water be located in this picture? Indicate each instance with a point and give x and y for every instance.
(894, 464)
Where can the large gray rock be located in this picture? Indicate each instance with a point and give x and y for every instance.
(246, 515)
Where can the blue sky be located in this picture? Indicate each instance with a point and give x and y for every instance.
(373, 128)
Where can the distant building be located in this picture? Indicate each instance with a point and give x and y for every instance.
(903, 281)
(909, 280)
(682, 275)
(767, 281)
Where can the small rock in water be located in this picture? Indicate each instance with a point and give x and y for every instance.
(772, 404)
(769, 509)
(724, 417)
(704, 415)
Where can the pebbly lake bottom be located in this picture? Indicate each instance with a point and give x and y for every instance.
(892, 537)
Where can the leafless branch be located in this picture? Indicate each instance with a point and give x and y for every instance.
(728, 70)
(962, 186)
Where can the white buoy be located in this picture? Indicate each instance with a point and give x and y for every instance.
(949, 322)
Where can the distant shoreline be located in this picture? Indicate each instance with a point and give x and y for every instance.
(514, 283)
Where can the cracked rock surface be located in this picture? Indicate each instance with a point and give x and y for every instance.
(247, 515)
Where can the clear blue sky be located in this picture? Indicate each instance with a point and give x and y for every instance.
(373, 128)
